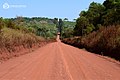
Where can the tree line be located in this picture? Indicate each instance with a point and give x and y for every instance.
(40, 26)
(98, 15)
(98, 29)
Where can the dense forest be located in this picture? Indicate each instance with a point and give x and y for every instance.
(98, 29)
(98, 15)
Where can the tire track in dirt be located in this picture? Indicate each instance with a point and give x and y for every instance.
(94, 67)
(58, 61)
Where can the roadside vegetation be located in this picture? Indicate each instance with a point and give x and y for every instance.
(68, 29)
(98, 29)
(17, 34)
(21, 33)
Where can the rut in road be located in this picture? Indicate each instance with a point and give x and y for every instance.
(58, 61)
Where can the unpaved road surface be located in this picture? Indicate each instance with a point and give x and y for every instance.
(58, 61)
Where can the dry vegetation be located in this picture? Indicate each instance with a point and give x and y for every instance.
(18, 36)
(15, 42)
(105, 41)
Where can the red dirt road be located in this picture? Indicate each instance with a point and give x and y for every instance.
(58, 61)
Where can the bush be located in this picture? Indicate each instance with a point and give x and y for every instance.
(106, 41)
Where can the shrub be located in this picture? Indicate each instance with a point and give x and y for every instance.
(106, 41)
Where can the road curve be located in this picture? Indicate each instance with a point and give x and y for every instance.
(58, 61)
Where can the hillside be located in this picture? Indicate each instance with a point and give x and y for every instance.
(21, 35)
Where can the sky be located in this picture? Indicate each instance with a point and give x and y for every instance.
(44, 8)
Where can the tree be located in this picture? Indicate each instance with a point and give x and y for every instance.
(55, 21)
(81, 24)
(111, 14)
(60, 26)
(74, 19)
(89, 20)
(65, 19)
(2, 24)
(94, 13)
(83, 13)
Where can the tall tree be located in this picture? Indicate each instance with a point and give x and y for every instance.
(111, 15)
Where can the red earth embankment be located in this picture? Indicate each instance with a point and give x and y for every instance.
(20, 50)
(15, 43)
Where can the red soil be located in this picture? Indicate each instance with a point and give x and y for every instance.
(58, 61)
